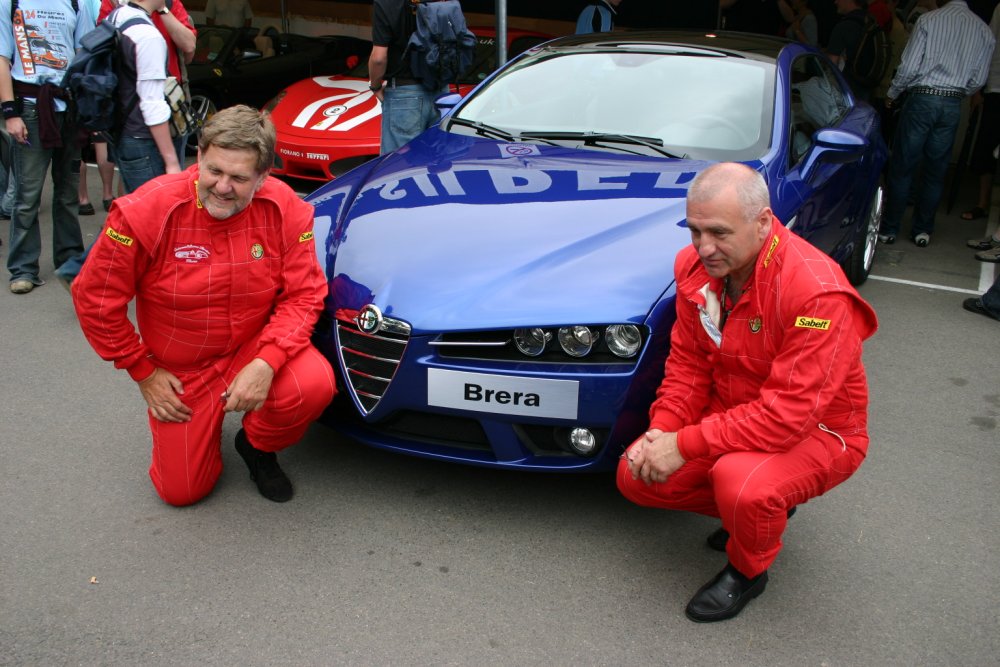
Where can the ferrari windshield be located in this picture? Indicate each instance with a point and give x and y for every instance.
(688, 103)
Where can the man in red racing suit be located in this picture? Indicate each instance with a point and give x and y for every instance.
(221, 262)
(764, 400)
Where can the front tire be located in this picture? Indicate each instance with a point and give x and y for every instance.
(859, 264)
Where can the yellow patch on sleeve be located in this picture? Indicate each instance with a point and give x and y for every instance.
(305, 236)
(812, 323)
(121, 238)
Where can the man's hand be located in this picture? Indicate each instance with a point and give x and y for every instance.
(161, 391)
(17, 129)
(250, 387)
(654, 456)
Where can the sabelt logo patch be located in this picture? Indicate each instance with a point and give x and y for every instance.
(804, 322)
(120, 238)
(305, 236)
(191, 254)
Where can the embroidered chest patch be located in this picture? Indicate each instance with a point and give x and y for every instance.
(191, 254)
(755, 324)
(257, 251)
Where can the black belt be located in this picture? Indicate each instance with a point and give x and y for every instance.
(400, 81)
(940, 92)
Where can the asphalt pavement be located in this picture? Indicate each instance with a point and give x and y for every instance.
(385, 559)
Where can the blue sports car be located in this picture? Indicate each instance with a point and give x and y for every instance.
(501, 288)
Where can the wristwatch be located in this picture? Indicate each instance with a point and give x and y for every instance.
(375, 87)
(165, 10)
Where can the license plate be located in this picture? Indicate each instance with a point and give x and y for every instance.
(503, 394)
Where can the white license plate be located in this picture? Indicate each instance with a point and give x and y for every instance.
(503, 394)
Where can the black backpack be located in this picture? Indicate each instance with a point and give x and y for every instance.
(92, 79)
(870, 62)
(441, 47)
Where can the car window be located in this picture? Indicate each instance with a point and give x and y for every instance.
(817, 101)
(210, 44)
(700, 104)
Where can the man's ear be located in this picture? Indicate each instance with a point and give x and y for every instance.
(260, 181)
(764, 222)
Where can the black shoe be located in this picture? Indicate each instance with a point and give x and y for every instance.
(725, 595)
(976, 306)
(272, 483)
(717, 540)
(87, 209)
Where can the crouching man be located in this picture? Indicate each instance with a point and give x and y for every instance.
(764, 400)
(221, 262)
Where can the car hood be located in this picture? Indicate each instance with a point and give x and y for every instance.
(458, 233)
(329, 107)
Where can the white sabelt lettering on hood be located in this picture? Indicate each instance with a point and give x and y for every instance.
(511, 181)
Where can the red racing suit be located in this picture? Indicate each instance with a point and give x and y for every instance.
(770, 409)
(210, 296)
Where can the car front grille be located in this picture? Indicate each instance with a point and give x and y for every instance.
(370, 359)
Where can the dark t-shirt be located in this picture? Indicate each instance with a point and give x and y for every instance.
(844, 40)
(392, 25)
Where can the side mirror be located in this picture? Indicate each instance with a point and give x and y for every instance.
(836, 146)
(447, 102)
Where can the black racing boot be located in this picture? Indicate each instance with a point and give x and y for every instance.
(272, 483)
(717, 540)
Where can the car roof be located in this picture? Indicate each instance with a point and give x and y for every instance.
(755, 47)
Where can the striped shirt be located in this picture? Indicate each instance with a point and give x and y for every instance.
(950, 49)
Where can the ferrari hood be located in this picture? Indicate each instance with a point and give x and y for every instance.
(334, 107)
(454, 232)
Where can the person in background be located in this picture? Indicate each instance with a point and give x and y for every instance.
(801, 21)
(177, 28)
(898, 38)
(983, 162)
(988, 304)
(44, 139)
(844, 40)
(764, 401)
(99, 146)
(233, 13)
(757, 16)
(407, 107)
(946, 59)
(597, 17)
(222, 266)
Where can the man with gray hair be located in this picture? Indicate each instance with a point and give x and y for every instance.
(764, 400)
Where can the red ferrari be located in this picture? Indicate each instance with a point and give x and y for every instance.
(329, 124)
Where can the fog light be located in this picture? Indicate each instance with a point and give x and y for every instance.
(531, 341)
(576, 341)
(582, 441)
(623, 340)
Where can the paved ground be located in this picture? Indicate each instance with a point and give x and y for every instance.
(384, 559)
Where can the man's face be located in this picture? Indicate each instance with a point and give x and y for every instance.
(227, 180)
(726, 242)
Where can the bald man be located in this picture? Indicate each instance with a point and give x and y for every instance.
(764, 400)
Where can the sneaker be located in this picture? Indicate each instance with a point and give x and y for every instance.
(87, 209)
(975, 305)
(887, 239)
(272, 482)
(987, 243)
(989, 255)
(922, 239)
(21, 286)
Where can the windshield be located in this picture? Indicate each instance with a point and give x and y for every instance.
(701, 105)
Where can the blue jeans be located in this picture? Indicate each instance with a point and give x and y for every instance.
(138, 161)
(30, 164)
(924, 136)
(406, 112)
(8, 182)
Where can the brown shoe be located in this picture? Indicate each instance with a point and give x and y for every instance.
(989, 255)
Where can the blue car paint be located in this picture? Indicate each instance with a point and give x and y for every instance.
(454, 233)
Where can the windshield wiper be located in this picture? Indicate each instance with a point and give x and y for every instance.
(594, 138)
(483, 129)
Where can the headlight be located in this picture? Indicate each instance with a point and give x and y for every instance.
(582, 441)
(623, 340)
(531, 341)
(577, 341)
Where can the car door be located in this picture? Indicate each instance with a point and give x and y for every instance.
(828, 194)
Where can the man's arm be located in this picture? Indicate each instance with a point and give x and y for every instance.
(300, 301)
(13, 124)
(182, 36)
(377, 63)
(907, 72)
(102, 292)
(805, 376)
